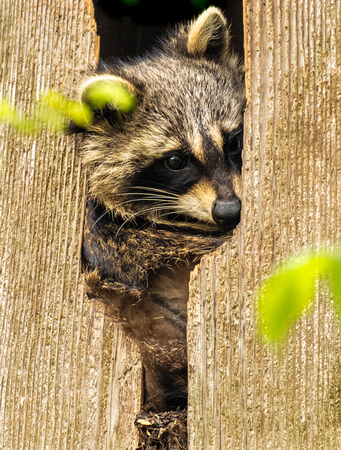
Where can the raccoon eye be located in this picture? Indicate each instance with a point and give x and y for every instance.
(175, 162)
(234, 142)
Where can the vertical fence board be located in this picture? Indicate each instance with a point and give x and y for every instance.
(244, 394)
(69, 378)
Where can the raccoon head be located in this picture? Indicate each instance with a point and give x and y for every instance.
(175, 157)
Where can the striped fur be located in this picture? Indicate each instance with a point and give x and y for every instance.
(162, 189)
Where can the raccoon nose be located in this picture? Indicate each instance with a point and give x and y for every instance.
(227, 212)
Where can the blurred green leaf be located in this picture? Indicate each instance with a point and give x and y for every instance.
(53, 110)
(287, 293)
(333, 272)
(62, 108)
(17, 120)
(54, 120)
(103, 93)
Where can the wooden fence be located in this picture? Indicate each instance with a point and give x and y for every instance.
(243, 394)
(69, 378)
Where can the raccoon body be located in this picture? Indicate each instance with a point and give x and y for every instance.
(162, 181)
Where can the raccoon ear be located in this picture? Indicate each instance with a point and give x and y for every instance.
(209, 36)
(108, 97)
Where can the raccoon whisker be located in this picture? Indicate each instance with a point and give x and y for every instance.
(94, 209)
(155, 202)
(124, 223)
(151, 197)
(132, 218)
(161, 191)
(163, 207)
(135, 200)
(162, 210)
(108, 211)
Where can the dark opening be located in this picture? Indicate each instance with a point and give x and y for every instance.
(131, 27)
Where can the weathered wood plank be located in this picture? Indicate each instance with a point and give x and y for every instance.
(243, 394)
(69, 379)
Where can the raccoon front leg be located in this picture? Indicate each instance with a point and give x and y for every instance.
(164, 354)
(161, 342)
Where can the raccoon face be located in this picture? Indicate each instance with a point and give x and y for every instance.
(176, 158)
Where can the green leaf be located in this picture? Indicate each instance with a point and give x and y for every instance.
(103, 93)
(61, 106)
(54, 120)
(333, 270)
(287, 294)
(53, 111)
(17, 120)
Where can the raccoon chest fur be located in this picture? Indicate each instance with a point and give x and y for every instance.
(168, 287)
(163, 176)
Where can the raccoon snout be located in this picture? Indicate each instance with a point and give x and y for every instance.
(227, 212)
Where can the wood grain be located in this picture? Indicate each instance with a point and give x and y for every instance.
(69, 378)
(244, 394)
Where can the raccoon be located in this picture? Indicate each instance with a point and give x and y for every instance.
(162, 189)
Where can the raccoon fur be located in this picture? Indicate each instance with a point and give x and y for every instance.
(162, 189)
